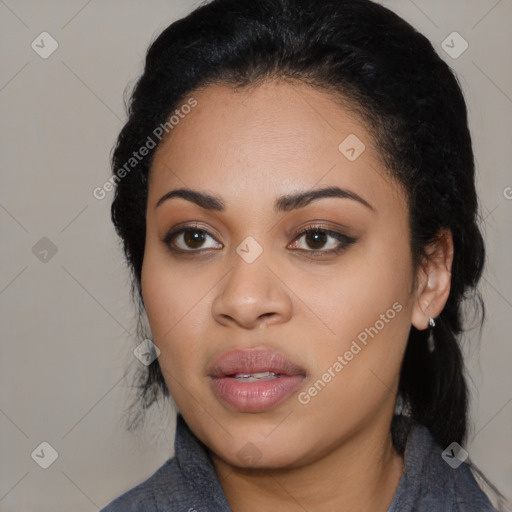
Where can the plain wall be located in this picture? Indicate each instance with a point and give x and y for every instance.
(67, 323)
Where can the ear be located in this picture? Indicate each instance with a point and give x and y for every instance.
(433, 280)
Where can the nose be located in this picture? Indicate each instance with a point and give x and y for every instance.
(252, 294)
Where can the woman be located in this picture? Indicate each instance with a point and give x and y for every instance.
(295, 195)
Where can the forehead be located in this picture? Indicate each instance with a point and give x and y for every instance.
(277, 137)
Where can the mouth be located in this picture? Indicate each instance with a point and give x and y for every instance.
(253, 380)
(254, 377)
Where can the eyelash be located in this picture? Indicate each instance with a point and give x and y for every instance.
(345, 240)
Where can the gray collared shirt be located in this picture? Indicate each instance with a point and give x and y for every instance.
(188, 482)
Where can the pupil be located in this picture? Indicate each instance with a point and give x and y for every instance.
(316, 239)
(194, 239)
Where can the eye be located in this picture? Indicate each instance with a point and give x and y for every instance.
(321, 240)
(315, 240)
(190, 239)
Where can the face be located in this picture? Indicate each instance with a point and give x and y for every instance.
(282, 301)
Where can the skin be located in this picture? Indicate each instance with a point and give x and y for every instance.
(249, 147)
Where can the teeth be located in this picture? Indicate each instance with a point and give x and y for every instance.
(253, 377)
(263, 374)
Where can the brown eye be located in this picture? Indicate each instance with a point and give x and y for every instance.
(194, 239)
(317, 240)
(190, 240)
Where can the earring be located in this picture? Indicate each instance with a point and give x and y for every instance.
(431, 344)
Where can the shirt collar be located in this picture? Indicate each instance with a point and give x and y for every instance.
(198, 470)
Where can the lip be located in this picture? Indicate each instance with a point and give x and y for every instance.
(256, 396)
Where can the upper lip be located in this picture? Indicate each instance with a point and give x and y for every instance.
(253, 361)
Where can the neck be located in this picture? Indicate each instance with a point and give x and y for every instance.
(360, 474)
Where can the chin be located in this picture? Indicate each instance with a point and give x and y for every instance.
(261, 447)
(253, 457)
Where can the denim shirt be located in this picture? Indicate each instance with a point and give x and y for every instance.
(188, 481)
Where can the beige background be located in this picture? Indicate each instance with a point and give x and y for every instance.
(67, 323)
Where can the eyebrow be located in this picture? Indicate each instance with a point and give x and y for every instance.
(282, 204)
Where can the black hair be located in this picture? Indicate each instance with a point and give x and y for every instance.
(409, 99)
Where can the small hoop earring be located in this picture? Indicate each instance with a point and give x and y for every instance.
(431, 344)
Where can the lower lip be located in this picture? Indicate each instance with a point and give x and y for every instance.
(255, 396)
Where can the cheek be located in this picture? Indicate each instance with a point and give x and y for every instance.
(176, 303)
(367, 308)
(366, 283)
(176, 306)
(360, 370)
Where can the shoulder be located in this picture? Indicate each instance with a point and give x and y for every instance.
(184, 483)
(434, 480)
(163, 490)
(455, 478)
(468, 495)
